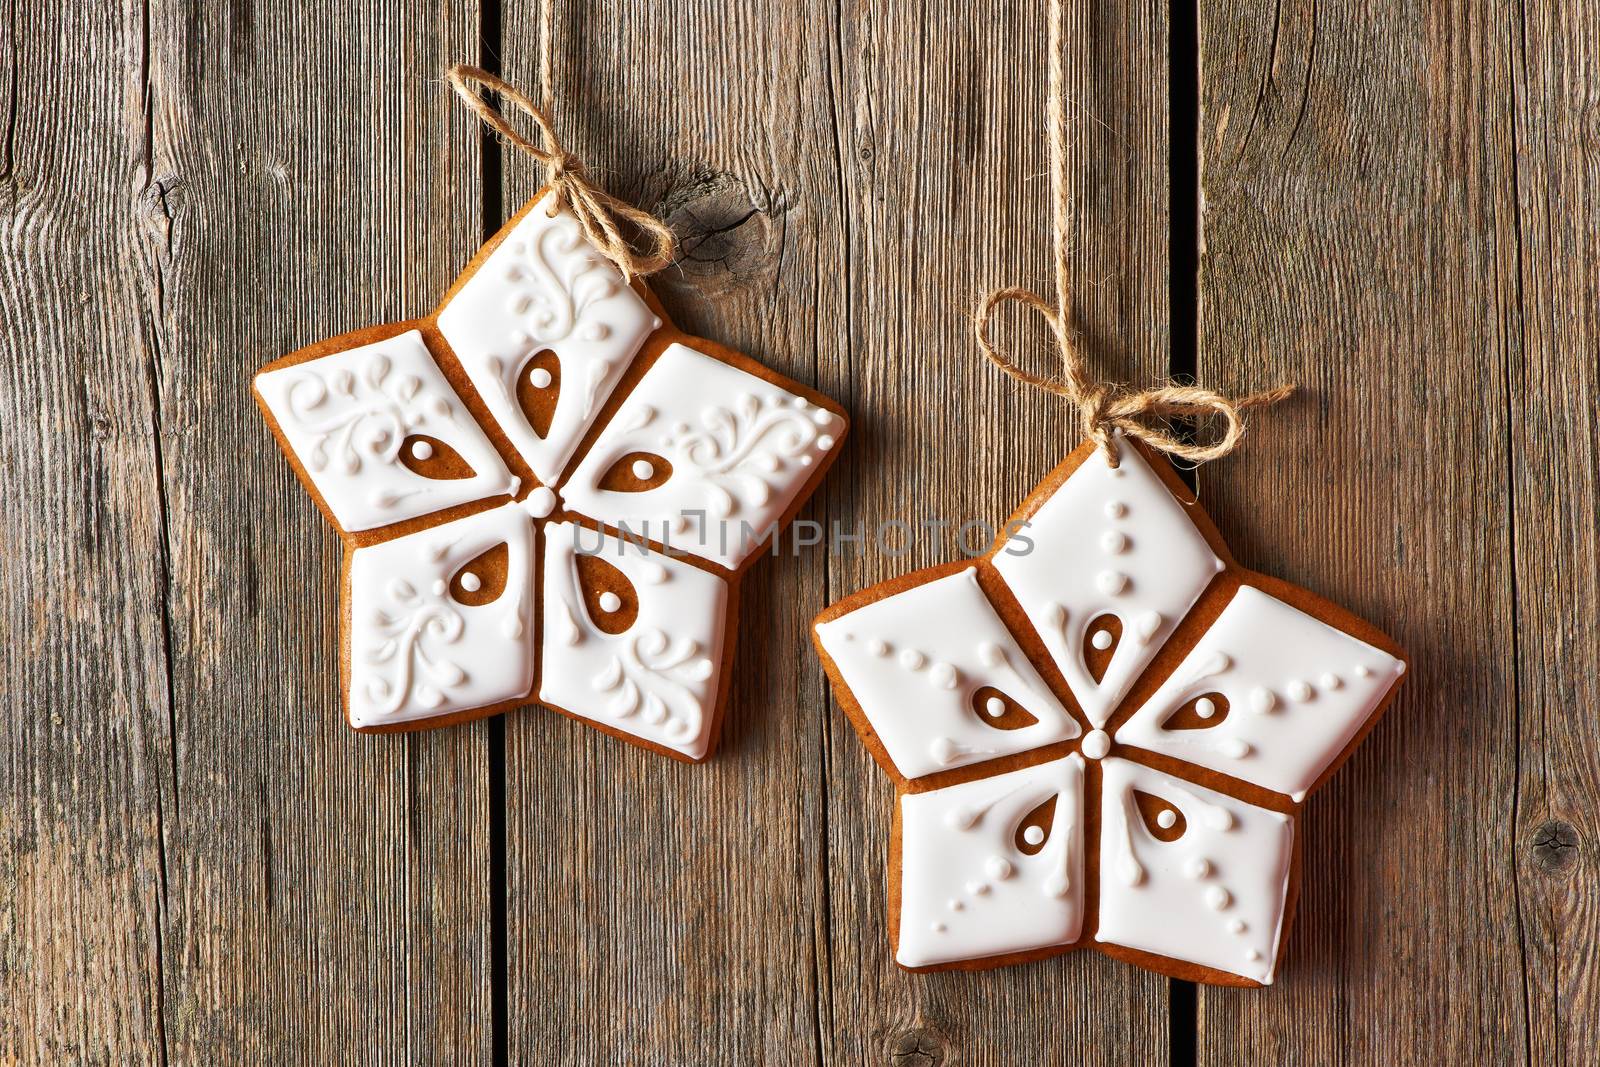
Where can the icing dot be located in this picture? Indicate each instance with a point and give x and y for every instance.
(643, 470)
(1331, 681)
(1116, 509)
(943, 750)
(995, 707)
(1096, 744)
(1237, 926)
(1111, 582)
(513, 273)
(825, 442)
(471, 582)
(912, 660)
(1055, 615)
(1101, 639)
(822, 418)
(1253, 956)
(421, 450)
(1057, 885)
(978, 889)
(956, 905)
(1300, 691)
(519, 303)
(539, 378)
(1033, 835)
(991, 654)
(1167, 819)
(1205, 707)
(1235, 748)
(1147, 626)
(438, 589)
(938, 928)
(1218, 897)
(540, 502)
(878, 647)
(805, 461)
(610, 602)
(1198, 868)
(598, 332)
(943, 675)
(1262, 700)
(1114, 541)
(961, 817)
(999, 868)
(1363, 671)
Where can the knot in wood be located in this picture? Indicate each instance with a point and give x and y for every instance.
(921, 1047)
(1556, 845)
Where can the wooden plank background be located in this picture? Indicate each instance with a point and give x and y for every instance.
(1393, 204)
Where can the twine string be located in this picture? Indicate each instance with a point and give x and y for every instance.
(1104, 409)
(596, 210)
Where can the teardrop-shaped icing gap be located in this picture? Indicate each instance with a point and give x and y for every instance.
(1034, 829)
(1100, 643)
(482, 578)
(1164, 821)
(636, 472)
(432, 458)
(538, 390)
(994, 708)
(1201, 713)
(611, 600)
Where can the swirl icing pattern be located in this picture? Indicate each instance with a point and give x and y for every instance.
(473, 460)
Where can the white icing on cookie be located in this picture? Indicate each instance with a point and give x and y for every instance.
(415, 651)
(1108, 542)
(346, 416)
(967, 890)
(657, 679)
(1281, 730)
(925, 724)
(740, 448)
(1214, 896)
(546, 288)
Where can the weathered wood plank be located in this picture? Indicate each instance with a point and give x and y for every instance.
(1553, 387)
(820, 179)
(1360, 238)
(84, 783)
(308, 173)
(662, 913)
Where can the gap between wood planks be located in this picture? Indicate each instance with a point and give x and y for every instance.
(1183, 266)
(493, 160)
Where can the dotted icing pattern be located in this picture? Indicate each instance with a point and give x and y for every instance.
(1175, 796)
(447, 616)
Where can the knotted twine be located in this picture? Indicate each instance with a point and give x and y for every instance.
(597, 211)
(1104, 409)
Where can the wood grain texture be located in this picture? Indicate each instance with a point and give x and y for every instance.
(326, 891)
(85, 790)
(201, 864)
(1552, 391)
(1387, 193)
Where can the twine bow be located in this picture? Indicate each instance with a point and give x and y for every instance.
(1104, 409)
(597, 211)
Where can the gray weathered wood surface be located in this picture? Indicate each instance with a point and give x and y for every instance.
(200, 864)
